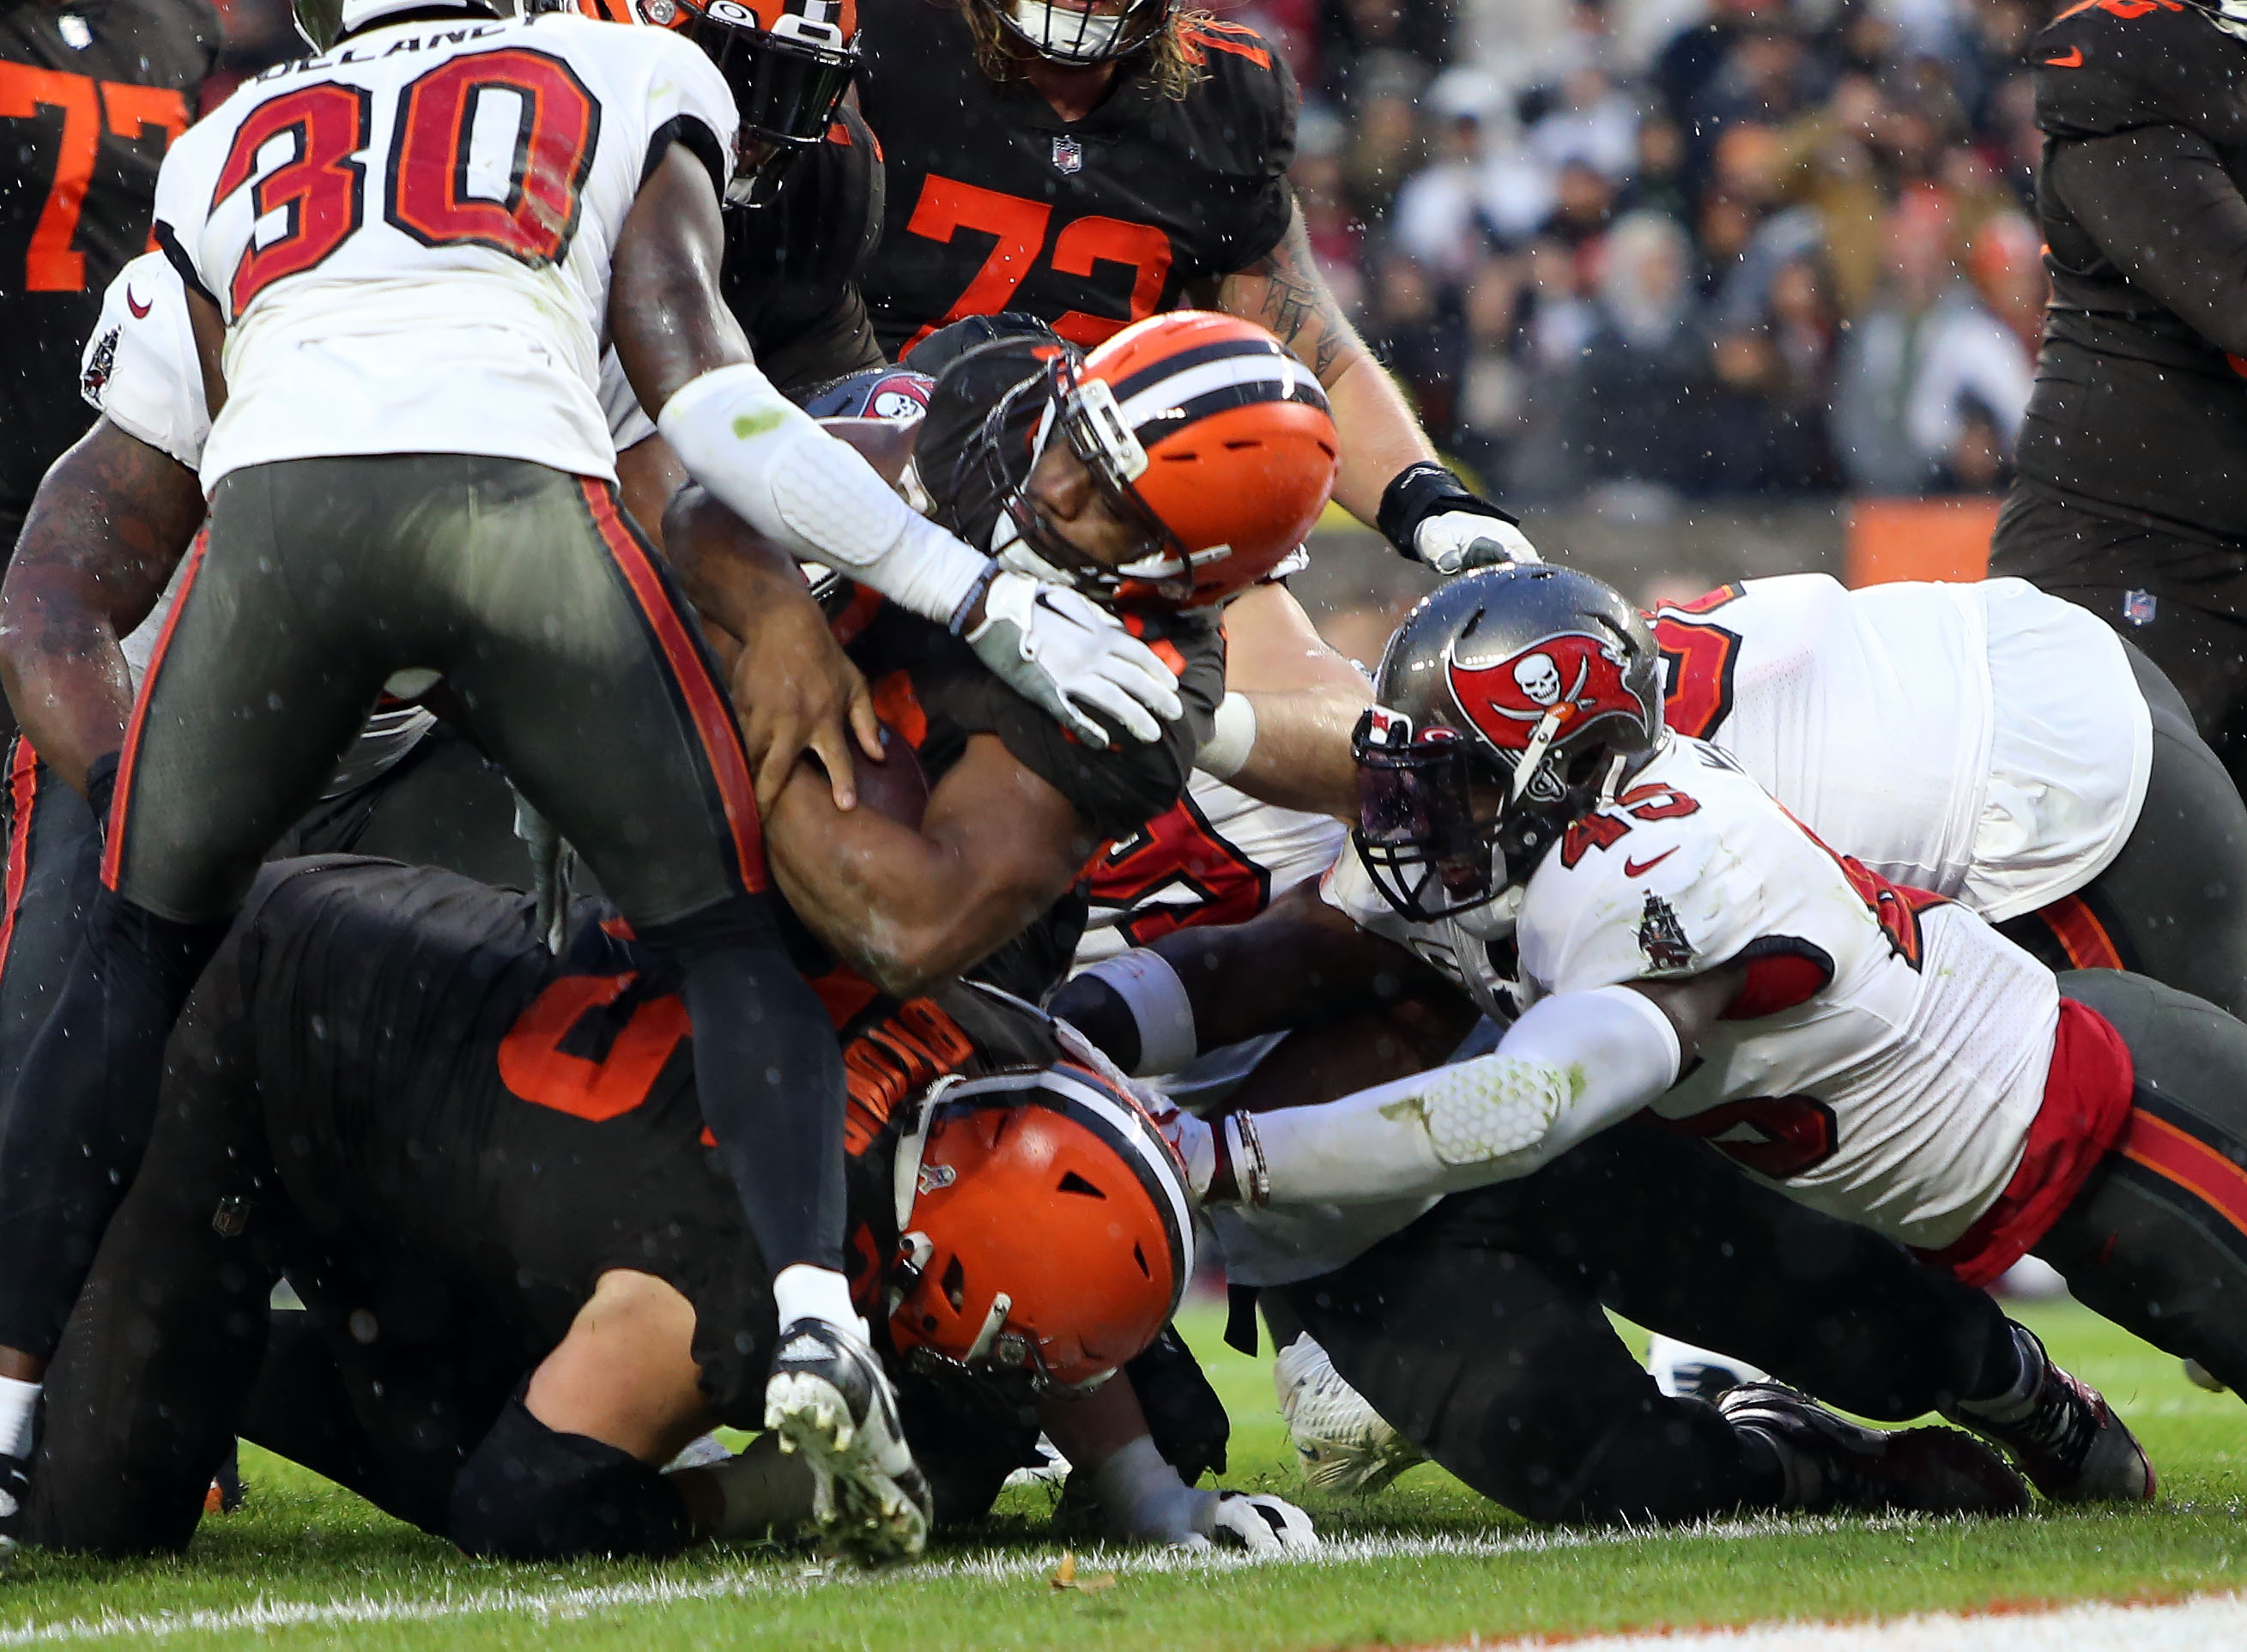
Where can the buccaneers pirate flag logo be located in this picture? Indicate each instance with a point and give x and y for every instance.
(1575, 677)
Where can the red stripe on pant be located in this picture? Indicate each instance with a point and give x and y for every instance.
(713, 719)
(23, 792)
(2180, 1157)
(113, 853)
(2079, 933)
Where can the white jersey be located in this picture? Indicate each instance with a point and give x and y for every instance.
(410, 236)
(1985, 741)
(1889, 1053)
(141, 372)
(1217, 857)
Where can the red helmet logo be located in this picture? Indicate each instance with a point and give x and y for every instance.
(1577, 676)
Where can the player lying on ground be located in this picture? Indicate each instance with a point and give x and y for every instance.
(2044, 806)
(1874, 1050)
(484, 1169)
(328, 568)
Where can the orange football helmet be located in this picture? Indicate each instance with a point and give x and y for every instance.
(1203, 429)
(1046, 1228)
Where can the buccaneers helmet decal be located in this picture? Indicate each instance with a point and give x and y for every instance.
(1577, 678)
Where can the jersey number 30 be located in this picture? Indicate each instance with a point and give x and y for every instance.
(490, 150)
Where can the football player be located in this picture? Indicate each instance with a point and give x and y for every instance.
(529, 1284)
(2128, 499)
(425, 499)
(1090, 164)
(91, 96)
(1875, 1051)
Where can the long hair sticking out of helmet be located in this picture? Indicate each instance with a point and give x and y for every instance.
(1512, 701)
(1047, 1231)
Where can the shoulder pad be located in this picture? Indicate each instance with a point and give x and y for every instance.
(2109, 65)
(1661, 886)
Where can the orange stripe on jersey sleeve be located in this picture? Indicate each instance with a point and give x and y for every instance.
(112, 852)
(2179, 1157)
(713, 722)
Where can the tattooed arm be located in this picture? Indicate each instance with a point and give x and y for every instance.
(1284, 291)
(110, 522)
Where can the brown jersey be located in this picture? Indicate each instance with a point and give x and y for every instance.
(995, 202)
(91, 96)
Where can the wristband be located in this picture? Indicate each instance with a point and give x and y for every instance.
(1161, 1010)
(1231, 737)
(1416, 493)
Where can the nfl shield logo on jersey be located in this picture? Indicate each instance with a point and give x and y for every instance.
(1067, 155)
(2138, 607)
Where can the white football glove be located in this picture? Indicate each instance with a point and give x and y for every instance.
(1070, 657)
(1455, 541)
(1262, 1523)
(1193, 1141)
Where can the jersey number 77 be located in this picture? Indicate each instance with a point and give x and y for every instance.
(489, 150)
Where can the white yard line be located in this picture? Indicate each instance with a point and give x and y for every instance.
(2199, 1625)
(993, 1566)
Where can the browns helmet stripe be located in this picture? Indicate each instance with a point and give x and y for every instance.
(1238, 378)
(1221, 350)
(1123, 1127)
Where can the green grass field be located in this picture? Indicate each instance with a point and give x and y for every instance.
(306, 1564)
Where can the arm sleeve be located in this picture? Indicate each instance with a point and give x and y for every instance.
(1568, 1069)
(2159, 204)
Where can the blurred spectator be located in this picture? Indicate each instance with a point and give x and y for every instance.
(1832, 172)
(1921, 367)
(1631, 418)
(1409, 331)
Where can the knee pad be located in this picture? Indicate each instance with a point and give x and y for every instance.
(530, 1493)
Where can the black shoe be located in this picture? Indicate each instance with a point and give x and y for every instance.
(829, 1399)
(2062, 1432)
(1833, 1464)
(15, 1498)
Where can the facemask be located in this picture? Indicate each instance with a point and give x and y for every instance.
(1065, 33)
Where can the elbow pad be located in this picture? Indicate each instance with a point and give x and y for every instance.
(1569, 1068)
(530, 1493)
(816, 498)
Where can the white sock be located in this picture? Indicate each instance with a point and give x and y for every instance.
(18, 1400)
(803, 1292)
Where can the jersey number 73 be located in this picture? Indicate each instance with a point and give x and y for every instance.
(489, 150)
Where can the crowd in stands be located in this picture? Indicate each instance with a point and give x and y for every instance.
(1778, 247)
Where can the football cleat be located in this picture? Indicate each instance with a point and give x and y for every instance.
(1341, 1443)
(2062, 1432)
(1831, 1464)
(1679, 1368)
(15, 1494)
(828, 1400)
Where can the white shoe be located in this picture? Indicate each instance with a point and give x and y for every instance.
(829, 1399)
(1341, 1443)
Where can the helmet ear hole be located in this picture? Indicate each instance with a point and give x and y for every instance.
(954, 1285)
(1072, 1183)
